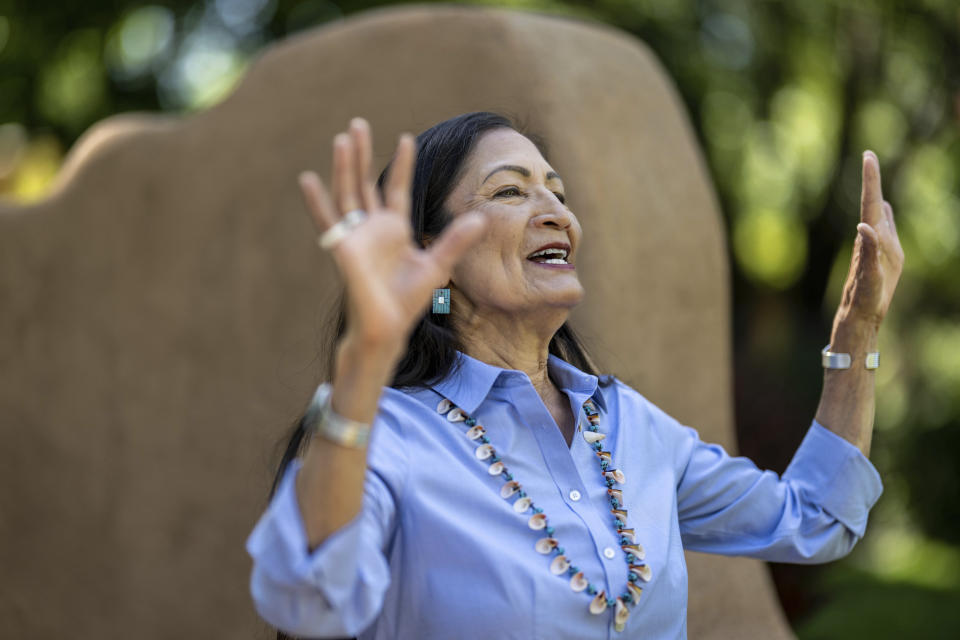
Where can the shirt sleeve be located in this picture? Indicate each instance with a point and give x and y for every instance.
(337, 589)
(815, 512)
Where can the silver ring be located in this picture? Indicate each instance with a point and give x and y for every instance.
(332, 236)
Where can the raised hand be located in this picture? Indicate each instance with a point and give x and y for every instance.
(877, 260)
(389, 278)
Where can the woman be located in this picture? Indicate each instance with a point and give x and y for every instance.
(507, 490)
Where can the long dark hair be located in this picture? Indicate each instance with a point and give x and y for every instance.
(431, 351)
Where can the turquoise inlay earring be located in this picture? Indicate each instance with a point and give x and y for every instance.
(441, 301)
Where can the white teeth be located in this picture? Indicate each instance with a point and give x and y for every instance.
(561, 252)
(555, 261)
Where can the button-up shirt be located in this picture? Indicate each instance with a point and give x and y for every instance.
(436, 552)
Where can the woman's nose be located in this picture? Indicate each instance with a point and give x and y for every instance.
(549, 211)
(556, 216)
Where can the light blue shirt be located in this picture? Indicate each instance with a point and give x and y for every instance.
(436, 552)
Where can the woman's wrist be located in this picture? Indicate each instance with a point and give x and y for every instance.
(369, 352)
(854, 336)
(847, 400)
(361, 371)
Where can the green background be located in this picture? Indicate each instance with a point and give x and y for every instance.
(784, 97)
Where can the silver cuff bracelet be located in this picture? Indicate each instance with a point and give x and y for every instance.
(842, 360)
(324, 421)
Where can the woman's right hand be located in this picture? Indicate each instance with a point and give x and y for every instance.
(389, 278)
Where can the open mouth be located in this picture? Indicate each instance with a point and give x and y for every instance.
(549, 256)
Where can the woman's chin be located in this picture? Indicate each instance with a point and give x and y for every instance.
(565, 297)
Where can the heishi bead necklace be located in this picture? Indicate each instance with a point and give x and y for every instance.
(560, 565)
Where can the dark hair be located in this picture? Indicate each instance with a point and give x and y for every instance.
(431, 351)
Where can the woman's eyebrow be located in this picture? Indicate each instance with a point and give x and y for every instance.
(521, 170)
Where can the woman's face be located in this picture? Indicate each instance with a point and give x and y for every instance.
(509, 181)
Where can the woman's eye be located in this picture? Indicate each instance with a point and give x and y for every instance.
(562, 198)
(508, 191)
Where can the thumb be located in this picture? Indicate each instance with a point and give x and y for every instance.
(462, 232)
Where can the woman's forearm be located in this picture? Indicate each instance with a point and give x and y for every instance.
(329, 485)
(847, 402)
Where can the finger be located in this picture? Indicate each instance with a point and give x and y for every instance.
(895, 250)
(400, 176)
(888, 213)
(871, 194)
(450, 245)
(317, 200)
(869, 244)
(363, 154)
(344, 181)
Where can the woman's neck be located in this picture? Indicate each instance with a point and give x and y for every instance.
(514, 341)
(531, 362)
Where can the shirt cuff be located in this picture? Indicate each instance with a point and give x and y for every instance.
(836, 475)
(278, 544)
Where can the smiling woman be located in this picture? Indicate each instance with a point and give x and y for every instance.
(471, 474)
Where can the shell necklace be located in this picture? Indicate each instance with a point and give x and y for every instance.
(560, 565)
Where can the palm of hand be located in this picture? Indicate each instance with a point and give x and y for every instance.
(390, 272)
(389, 278)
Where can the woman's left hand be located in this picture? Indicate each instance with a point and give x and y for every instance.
(877, 260)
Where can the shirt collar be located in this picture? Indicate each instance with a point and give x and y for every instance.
(470, 381)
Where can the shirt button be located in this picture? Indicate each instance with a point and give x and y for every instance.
(574, 495)
(609, 553)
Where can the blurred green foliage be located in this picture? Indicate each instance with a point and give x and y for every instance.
(857, 597)
(784, 97)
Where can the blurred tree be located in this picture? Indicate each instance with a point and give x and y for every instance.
(784, 96)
